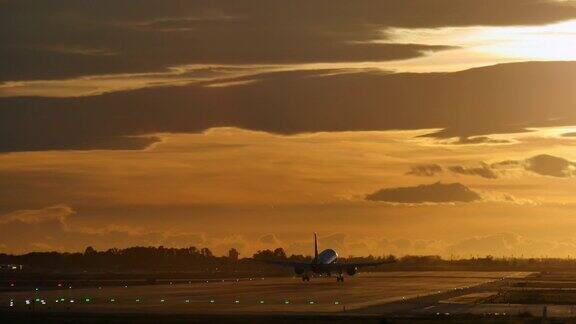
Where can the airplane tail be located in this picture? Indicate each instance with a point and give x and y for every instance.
(315, 247)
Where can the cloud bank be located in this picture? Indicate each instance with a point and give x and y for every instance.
(425, 170)
(63, 38)
(484, 171)
(549, 165)
(433, 193)
(462, 103)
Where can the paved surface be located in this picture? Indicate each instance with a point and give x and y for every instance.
(376, 293)
(496, 310)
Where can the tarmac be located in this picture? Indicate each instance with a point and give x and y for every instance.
(366, 293)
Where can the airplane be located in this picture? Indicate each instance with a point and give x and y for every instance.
(325, 263)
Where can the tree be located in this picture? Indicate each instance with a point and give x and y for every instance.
(90, 251)
(206, 253)
(233, 255)
(279, 253)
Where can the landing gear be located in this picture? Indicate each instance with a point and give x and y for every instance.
(340, 278)
(305, 278)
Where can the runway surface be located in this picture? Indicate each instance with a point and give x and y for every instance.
(258, 295)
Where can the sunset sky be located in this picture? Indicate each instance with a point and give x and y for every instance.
(399, 127)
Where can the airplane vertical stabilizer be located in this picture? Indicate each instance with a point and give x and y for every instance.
(315, 247)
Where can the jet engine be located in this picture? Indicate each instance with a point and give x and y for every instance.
(299, 271)
(351, 271)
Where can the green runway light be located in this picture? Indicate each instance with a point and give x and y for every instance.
(137, 300)
(311, 302)
(212, 301)
(112, 300)
(336, 303)
(286, 302)
(261, 302)
(236, 301)
(162, 300)
(37, 300)
(187, 300)
(87, 300)
(62, 299)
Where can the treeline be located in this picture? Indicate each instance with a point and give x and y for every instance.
(157, 259)
(135, 259)
(129, 259)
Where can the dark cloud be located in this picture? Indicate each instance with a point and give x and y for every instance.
(549, 165)
(505, 164)
(467, 103)
(426, 170)
(84, 142)
(544, 164)
(436, 192)
(480, 140)
(65, 38)
(484, 171)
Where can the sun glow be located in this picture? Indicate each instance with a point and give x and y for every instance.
(480, 45)
(550, 42)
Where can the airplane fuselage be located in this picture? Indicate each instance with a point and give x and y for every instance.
(326, 262)
(327, 256)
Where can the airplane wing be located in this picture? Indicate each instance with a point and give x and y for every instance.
(294, 264)
(342, 266)
(331, 266)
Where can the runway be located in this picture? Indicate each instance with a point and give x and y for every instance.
(252, 296)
